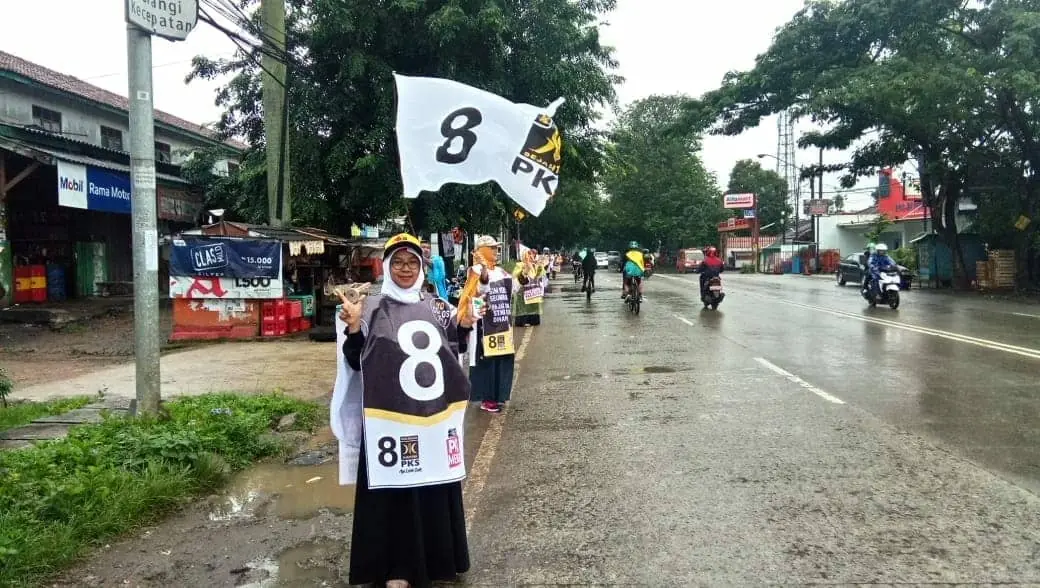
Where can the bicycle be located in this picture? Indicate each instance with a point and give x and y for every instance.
(634, 300)
(576, 268)
(589, 286)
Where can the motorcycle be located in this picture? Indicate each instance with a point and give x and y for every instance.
(714, 294)
(887, 289)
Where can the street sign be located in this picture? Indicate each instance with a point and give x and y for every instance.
(738, 200)
(169, 19)
(749, 213)
(819, 207)
(736, 224)
(519, 215)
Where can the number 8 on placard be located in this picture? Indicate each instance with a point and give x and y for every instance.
(407, 376)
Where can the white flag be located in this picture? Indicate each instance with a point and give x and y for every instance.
(449, 132)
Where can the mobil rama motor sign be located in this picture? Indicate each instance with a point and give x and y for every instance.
(91, 188)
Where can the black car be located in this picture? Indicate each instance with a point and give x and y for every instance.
(852, 270)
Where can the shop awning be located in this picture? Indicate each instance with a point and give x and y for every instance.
(48, 156)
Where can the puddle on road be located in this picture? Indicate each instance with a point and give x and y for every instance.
(315, 563)
(300, 489)
(286, 491)
(653, 369)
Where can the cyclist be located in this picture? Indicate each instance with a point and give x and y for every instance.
(632, 269)
(588, 267)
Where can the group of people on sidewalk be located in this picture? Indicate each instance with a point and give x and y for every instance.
(400, 396)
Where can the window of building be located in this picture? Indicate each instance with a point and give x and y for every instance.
(163, 154)
(111, 138)
(47, 119)
(232, 168)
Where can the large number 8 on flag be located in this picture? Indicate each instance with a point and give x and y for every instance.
(416, 356)
(450, 132)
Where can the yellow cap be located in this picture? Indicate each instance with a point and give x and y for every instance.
(403, 240)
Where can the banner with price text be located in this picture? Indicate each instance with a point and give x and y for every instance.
(449, 132)
(226, 258)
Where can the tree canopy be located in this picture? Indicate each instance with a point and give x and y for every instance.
(949, 84)
(658, 190)
(344, 162)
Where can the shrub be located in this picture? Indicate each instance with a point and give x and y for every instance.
(60, 497)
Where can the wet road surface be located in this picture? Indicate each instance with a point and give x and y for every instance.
(793, 436)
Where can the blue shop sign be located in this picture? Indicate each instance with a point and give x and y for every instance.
(92, 188)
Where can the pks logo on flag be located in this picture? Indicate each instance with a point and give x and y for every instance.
(449, 132)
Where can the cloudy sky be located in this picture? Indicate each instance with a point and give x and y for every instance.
(664, 47)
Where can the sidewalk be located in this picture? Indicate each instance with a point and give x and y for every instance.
(303, 369)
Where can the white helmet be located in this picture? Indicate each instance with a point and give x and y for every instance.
(882, 248)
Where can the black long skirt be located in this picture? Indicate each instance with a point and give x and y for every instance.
(413, 534)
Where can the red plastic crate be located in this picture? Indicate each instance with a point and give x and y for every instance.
(295, 309)
(305, 324)
(294, 325)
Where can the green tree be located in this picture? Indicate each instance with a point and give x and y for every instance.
(659, 191)
(344, 153)
(946, 83)
(770, 189)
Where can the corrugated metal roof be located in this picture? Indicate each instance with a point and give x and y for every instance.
(77, 87)
(85, 160)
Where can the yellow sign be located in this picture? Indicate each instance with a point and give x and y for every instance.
(1022, 222)
(519, 214)
(499, 344)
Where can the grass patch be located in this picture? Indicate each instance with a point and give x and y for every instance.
(16, 414)
(60, 498)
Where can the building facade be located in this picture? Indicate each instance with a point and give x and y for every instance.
(65, 191)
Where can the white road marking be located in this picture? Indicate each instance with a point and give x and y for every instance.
(683, 319)
(478, 474)
(795, 379)
(995, 345)
(1036, 316)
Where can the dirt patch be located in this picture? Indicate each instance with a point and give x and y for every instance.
(38, 354)
(278, 524)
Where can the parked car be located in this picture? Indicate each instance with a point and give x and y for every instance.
(601, 260)
(689, 260)
(614, 259)
(852, 270)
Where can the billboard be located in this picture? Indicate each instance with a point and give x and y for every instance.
(746, 200)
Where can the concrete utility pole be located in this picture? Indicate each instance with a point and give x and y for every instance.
(145, 222)
(275, 92)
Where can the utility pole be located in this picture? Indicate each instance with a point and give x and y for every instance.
(141, 23)
(145, 223)
(274, 94)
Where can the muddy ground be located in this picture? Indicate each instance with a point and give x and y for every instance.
(277, 524)
(37, 354)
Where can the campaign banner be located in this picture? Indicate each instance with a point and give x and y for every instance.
(225, 258)
(451, 133)
(196, 287)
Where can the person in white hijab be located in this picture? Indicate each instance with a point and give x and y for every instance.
(402, 535)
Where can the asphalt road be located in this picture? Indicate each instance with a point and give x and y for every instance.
(793, 436)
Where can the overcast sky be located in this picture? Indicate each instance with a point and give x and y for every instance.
(664, 47)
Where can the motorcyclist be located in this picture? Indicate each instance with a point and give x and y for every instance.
(633, 268)
(711, 267)
(588, 270)
(648, 260)
(879, 262)
(864, 262)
